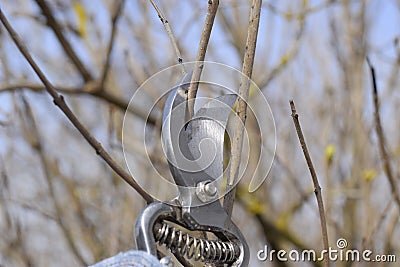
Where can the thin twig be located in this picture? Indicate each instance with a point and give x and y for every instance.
(247, 71)
(201, 54)
(60, 103)
(304, 11)
(286, 59)
(274, 233)
(317, 188)
(114, 22)
(89, 88)
(381, 138)
(12, 232)
(87, 229)
(391, 227)
(36, 144)
(21, 244)
(171, 36)
(57, 29)
(29, 206)
(378, 226)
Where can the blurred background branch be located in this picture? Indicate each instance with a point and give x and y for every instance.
(59, 101)
(98, 53)
(381, 139)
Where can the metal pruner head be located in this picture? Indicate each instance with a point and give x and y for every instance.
(194, 150)
(194, 146)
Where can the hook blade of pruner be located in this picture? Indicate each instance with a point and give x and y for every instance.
(194, 146)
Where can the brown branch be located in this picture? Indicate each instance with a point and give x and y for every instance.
(89, 88)
(304, 12)
(286, 59)
(30, 207)
(5, 192)
(293, 50)
(381, 138)
(21, 244)
(57, 29)
(391, 227)
(114, 22)
(243, 92)
(12, 233)
(105, 95)
(60, 103)
(201, 54)
(36, 144)
(385, 212)
(317, 188)
(235, 35)
(75, 205)
(171, 36)
(271, 231)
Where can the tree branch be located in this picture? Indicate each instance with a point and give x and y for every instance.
(171, 36)
(247, 71)
(201, 54)
(60, 103)
(57, 29)
(114, 21)
(381, 138)
(317, 188)
(37, 146)
(89, 88)
(286, 58)
(273, 233)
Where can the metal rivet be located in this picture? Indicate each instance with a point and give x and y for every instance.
(206, 191)
(210, 189)
(167, 261)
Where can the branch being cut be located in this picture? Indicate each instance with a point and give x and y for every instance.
(247, 71)
(60, 103)
(201, 54)
(317, 187)
(381, 138)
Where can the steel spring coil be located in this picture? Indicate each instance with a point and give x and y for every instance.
(198, 249)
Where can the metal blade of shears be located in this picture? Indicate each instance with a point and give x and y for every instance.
(194, 147)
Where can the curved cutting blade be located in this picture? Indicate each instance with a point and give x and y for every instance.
(206, 134)
(194, 148)
(175, 137)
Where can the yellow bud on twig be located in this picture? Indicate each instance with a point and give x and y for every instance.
(329, 154)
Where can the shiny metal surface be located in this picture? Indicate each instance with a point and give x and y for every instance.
(194, 150)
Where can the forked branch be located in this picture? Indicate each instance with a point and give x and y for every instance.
(57, 29)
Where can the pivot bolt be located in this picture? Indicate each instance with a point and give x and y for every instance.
(206, 191)
(210, 189)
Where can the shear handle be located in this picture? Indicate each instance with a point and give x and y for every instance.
(144, 236)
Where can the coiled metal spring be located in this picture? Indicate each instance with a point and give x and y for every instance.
(198, 249)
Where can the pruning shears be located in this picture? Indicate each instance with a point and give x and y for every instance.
(194, 150)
